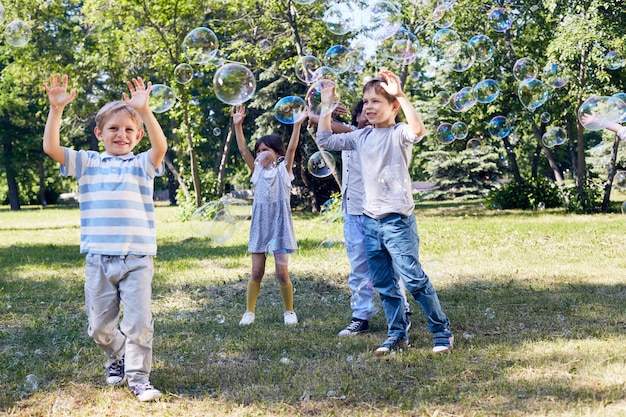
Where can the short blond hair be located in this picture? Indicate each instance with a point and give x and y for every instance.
(112, 108)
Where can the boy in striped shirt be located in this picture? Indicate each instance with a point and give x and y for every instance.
(117, 225)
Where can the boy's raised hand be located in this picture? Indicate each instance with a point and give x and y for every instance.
(57, 91)
(139, 94)
(391, 84)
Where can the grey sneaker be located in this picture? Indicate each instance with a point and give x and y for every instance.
(390, 344)
(146, 392)
(355, 327)
(115, 371)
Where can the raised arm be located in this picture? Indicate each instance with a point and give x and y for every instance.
(238, 115)
(290, 154)
(59, 98)
(393, 87)
(139, 100)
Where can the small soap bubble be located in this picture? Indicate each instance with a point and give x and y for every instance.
(162, 98)
(483, 46)
(486, 91)
(525, 69)
(489, 313)
(314, 98)
(338, 58)
(613, 60)
(474, 146)
(290, 109)
(545, 117)
(234, 84)
(499, 19)
(443, 39)
(265, 160)
(340, 18)
(554, 136)
(394, 182)
(305, 68)
(462, 100)
(381, 20)
(620, 179)
(220, 318)
(217, 131)
(444, 133)
(460, 130)
(199, 44)
(332, 248)
(555, 75)
(442, 98)
(265, 45)
(17, 33)
(321, 164)
(183, 73)
(532, 93)
(499, 127)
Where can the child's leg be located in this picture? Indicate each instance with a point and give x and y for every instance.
(254, 284)
(383, 278)
(282, 275)
(359, 280)
(405, 255)
(103, 304)
(137, 324)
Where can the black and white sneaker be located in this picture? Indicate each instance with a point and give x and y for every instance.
(355, 327)
(115, 371)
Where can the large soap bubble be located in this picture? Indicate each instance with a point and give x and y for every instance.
(555, 136)
(338, 58)
(486, 91)
(555, 75)
(500, 19)
(339, 18)
(460, 130)
(314, 98)
(402, 47)
(532, 93)
(460, 55)
(483, 46)
(499, 127)
(444, 16)
(442, 39)
(162, 98)
(381, 20)
(598, 112)
(290, 110)
(219, 219)
(17, 33)
(613, 60)
(234, 84)
(444, 133)
(305, 68)
(321, 164)
(199, 44)
(462, 100)
(525, 69)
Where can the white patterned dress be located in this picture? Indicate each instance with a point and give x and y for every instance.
(271, 227)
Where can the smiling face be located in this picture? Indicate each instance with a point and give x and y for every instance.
(120, 131)
(378, 109)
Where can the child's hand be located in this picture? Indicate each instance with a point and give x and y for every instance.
(588, 118)
(341, 110)
(305, 115)
(328, 96)
(238, 114)
(391, 84)
(139, 94)
(57, 91)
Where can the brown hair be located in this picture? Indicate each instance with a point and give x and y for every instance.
(112, 108)
(375, 83)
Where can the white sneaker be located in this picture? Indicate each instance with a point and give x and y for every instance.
(290, 318)
(146, 392)
(247, 319)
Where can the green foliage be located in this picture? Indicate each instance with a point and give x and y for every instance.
(528, 194)
(586, 202)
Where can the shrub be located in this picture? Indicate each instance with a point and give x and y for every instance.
(527, 194)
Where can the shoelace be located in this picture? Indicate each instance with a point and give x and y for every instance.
(116, 368)
(354, 325)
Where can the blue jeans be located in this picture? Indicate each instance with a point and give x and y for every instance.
(392, 246)
(359, 281)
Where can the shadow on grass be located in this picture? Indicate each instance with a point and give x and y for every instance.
(501, 328)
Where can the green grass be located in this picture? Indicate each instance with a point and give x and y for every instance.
(552, 347)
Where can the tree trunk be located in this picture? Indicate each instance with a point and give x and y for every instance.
(610, 175)
(14, 194)
(193, 164)
(221, 169)
(42, 184)
(556, 171)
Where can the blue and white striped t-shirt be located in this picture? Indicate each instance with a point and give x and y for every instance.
(116, 206)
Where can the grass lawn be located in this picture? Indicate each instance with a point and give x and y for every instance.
(536, 301)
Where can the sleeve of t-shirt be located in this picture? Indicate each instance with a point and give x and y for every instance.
(76, 162)
(326, 139)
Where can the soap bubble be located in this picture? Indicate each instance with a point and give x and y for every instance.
(219, 219)
(444, 133)
(442, 39)
(183, 73)
(17, 33)
(600, 112)
(402, 47)
(483, 46)
(620, 179)
(554, 136)
(474, 146)
(2, 14)
(555, 75)
(613, 60)
(332, 248)
(500, 19)
(217, 131)
(459, 129)
(545, 117)
(278, 248)
(499, 127)
(489, 313)
(338, 58)
(621, 96)
(442, 98)
(460, 55)
(305, 68)
(217, 58)
(314, 98)
(321, 164)
(525, 69)
(234, 84)
(339, 18)
(532, 93)
(324, 72)
(303, 1)
(462, 100)
(381, 20)
(162, 98)
(265, 45)
(289, 110)
(265, 160)
(444, 16)
(486, 91)
(199, 44)
(393, 181)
